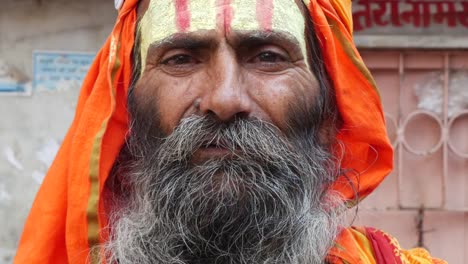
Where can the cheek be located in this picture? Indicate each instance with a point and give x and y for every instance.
(275, 95)
(173, 98)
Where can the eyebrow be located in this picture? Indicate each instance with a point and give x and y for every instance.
(188, 41)
(193, 41)
(259, 37)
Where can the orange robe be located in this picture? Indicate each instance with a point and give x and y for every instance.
(364, 245)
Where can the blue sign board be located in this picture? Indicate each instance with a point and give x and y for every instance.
(7, 87)
(60, 70)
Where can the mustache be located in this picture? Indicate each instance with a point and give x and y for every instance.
(252, 138)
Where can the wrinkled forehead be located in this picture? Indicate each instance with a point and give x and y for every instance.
(164, 18)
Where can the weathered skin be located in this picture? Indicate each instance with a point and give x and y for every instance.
(214, 61)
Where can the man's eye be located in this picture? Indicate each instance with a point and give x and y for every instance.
(269, 57)
(179, 60)
(270, 61)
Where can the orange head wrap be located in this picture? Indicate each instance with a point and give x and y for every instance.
(66, 218)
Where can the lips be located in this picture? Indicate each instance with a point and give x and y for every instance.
(212, 150)
(209, 153)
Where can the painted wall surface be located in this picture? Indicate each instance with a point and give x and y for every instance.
(411, 23)
(32, 126)
(423, 201)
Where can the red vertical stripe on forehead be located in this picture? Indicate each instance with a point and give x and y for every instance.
(182, 15)
(225, 14)
(264, 11)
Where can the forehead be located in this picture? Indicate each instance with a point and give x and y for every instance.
(191, 15)
(164, 18)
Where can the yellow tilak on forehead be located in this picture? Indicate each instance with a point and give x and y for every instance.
(165, 18)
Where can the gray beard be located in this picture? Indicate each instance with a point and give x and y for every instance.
(268, 202)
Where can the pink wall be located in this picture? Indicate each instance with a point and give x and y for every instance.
(425, 96)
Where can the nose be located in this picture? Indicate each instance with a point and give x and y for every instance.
(226, 95)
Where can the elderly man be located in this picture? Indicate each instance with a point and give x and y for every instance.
(251, 126)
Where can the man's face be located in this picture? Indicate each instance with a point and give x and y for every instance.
(243, 58)
(223, 163)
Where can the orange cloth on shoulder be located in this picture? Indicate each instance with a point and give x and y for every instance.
(67, 218)
(371, 246)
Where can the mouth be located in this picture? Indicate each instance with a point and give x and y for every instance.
(210, 151)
